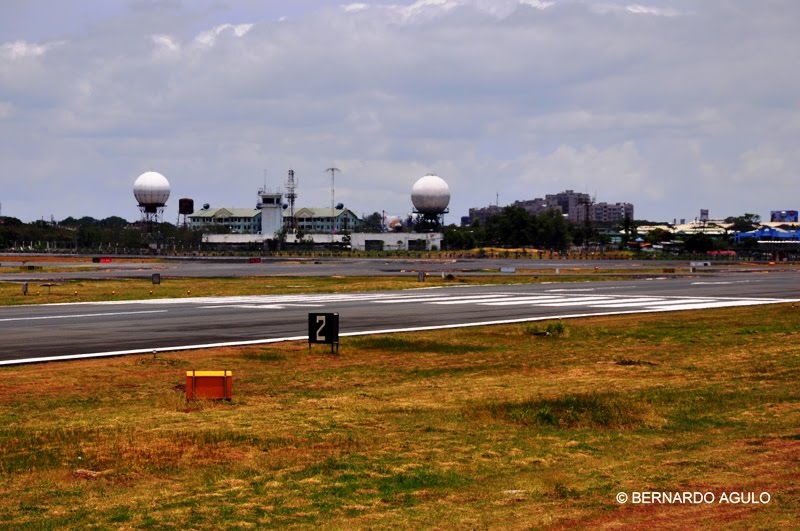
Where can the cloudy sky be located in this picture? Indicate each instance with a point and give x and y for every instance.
(671, 105)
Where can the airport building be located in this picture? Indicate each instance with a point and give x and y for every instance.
(320, 220)
(274, 223)
(236, 220)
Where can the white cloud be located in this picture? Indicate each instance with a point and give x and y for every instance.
(21, 49)
(538, 4)
(353, 8)
(613, 173)
(166, 47)
(766, 165)
(650, 10)
(209, 38)
(637, 9)
(426, 9)
(166, 42)
(522, 97)
(6, 110)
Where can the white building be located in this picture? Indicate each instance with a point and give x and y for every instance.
(396, 241)
(237, 220)
(271, 212)
(319, 220)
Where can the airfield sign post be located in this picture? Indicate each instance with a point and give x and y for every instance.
(324, 328)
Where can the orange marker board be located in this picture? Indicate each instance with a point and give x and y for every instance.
(209, 384)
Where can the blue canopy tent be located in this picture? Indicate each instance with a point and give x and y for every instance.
(768, 233)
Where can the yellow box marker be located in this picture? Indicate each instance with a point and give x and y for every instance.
(216, 385)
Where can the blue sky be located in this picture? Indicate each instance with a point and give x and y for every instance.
(671, 105)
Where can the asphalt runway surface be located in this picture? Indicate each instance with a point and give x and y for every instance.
(240, 267)
(113, 328)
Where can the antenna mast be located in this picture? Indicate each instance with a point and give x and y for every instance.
(291, 195)
(333, 216)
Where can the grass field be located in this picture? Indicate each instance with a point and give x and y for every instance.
(495, 427)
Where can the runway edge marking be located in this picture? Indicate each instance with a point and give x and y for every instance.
(353, 334)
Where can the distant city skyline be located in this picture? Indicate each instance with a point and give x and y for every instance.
(674, 106)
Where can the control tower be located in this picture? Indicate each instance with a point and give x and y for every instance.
(271, 212)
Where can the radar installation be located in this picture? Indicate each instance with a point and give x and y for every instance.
(151, 191)
(430, 196)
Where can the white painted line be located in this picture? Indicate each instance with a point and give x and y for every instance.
(263, 306)
(152, 350)
(501, 301)
(525, 300)
(621, 303)
(376, 332)
(570, 289)
(643, 302)
(574, 301)
(465, 298)
(77, 316)
(719, 282)
(254, 299)
(709, 305)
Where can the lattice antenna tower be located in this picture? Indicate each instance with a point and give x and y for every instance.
(291, 195)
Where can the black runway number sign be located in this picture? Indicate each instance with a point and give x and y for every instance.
(324, 328)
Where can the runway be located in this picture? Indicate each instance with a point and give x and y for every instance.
(38, 333)
(326, 266)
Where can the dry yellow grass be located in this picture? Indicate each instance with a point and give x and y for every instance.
(492, 428)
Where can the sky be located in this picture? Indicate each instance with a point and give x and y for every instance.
(674, 106)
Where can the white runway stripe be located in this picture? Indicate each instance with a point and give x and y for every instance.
(553, 298)
(648, 302)
(78, 316)
(575, 301)
(440, 299)
(709, 305)
(502, 300)
(634, 301)
(526, 300)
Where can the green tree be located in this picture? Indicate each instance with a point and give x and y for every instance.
(459, 237)
(373, 223)
(552, 230)
(745, 222)
(513, 227)
(659, 235)
(698, 243)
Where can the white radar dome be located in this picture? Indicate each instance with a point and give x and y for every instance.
(430, 195)
(151, 189)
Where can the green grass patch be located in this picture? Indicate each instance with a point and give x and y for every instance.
(577, 411)
(556, 329)
(406, 344)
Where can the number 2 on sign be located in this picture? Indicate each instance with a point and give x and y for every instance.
(321, 322)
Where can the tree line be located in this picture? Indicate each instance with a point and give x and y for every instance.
(88, 234)
(513, 227)
(516, 227)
